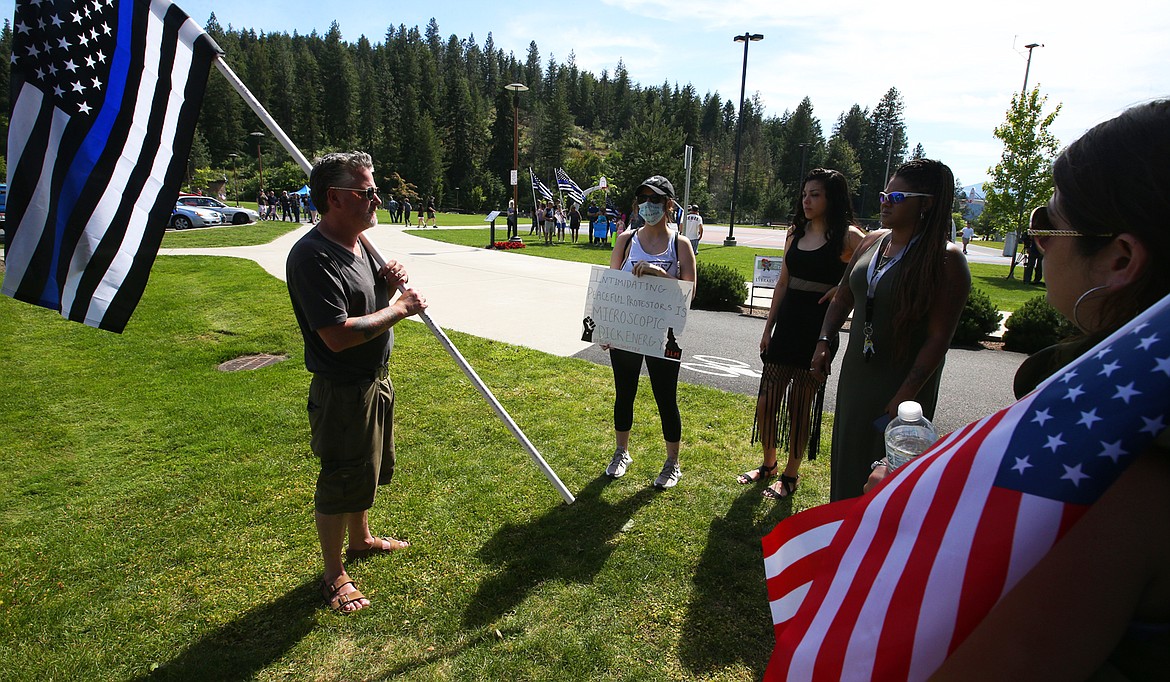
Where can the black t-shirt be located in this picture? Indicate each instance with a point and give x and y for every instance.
(329, 284)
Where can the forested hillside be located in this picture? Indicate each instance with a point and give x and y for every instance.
(434, 113)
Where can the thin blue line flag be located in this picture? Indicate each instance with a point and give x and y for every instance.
(105, 95)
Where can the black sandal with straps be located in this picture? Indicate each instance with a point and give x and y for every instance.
(787, 488)
(761, 473)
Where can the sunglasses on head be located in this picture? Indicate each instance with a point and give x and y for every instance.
(898, 197)
(1040, 229)
(370, 192)
(652, 198)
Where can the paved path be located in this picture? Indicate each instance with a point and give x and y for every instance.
(538, 302)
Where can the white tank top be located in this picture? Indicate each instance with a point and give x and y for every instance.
(667, 260)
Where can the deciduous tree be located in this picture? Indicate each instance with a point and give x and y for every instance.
(1023, 177)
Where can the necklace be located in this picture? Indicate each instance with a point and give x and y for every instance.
(878, 267)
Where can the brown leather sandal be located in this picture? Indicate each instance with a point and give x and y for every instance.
(337, 601)
(380, 548)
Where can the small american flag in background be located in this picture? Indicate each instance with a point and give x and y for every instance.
(105, 94)
(540, 186)
(885, 586)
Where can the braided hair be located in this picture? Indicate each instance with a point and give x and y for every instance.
(920, 281)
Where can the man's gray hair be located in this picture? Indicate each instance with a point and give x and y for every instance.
(337, 169)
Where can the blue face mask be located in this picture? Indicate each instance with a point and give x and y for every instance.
(651, 212)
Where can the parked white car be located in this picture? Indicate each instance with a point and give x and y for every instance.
(233, 215)
(186, 217)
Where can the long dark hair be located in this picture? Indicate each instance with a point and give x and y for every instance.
(838, 214)
(1116, 179)
(920, 281)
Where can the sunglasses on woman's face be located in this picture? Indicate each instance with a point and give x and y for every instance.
(898, 197)
(652, 198)
(1040, 229)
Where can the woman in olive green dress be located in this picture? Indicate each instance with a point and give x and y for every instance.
(906, 287)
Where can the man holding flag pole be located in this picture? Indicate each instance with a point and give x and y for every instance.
(94, 172)
(341, 298)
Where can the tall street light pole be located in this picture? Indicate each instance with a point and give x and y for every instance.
(1028, 67)
(745, 39)
(514, 224)
(235, 178)
(1020, 227)
(259, 161)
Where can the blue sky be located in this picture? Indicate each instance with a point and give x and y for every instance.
(957, 65)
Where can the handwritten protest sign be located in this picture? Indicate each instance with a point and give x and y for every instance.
(639, 314)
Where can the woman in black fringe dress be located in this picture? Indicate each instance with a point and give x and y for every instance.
(791, 398)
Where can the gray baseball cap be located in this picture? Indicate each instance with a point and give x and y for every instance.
(659, 185)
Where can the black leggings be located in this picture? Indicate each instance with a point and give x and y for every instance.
(627, 367)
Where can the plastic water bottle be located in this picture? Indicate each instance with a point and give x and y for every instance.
(908, 435)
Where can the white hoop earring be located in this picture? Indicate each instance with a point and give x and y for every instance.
(1077, 305)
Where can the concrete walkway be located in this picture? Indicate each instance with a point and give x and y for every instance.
(509, 297)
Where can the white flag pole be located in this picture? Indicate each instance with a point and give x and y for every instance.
(381, 260)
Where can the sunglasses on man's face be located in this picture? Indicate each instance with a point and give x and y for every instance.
(370, 192)
(898, 197)
(652, 198)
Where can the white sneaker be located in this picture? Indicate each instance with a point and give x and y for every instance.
(668, 478)
(617, 466)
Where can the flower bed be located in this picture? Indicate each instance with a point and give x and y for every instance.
(508, 245)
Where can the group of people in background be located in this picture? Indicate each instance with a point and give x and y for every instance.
(400, 211)
(286, 207)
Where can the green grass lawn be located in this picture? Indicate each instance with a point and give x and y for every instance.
(156, 513)
(1006, 294)
(252, 234)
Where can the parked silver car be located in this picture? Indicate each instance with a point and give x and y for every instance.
(186, 217)
(233, 215)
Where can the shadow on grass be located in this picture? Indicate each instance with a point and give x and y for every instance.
(568, 543)
(728, 620)
(249, 644)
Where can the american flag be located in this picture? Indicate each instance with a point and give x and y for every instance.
(105, 94)
(540, 186)
(885, 586)
(566, 185)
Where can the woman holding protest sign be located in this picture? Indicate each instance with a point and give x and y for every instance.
(650, 251)
(791, 397)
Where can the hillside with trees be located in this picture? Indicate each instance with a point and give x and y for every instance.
(434, 114)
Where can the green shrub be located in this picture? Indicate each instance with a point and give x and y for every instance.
(719, 288)
(1034, 326)
(979, 319)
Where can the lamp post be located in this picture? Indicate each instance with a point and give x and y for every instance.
(889, 155)
(803, 157)
(259, 161)
(235, 178)
(1028, 67)
(745, 39)
(514, 224)
(1020, 192)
